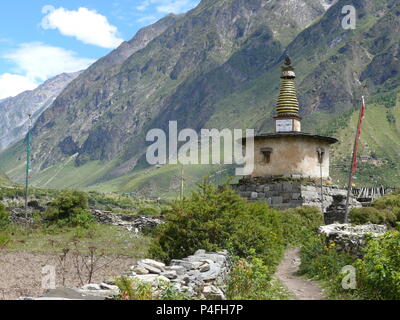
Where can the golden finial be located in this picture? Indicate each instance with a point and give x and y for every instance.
(287, 105)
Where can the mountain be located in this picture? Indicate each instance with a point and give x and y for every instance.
(218, 67)
(4, 181)
(14, 111)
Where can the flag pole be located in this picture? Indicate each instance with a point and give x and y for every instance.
(353, 167)
(28, 164)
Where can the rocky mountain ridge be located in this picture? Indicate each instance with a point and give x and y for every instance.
(14, 110)
(218, 67)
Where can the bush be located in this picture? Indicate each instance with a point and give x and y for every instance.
(5, 219)
(214, 219)
(322, 261)
(249, 280)
(378, 273)
(390, 201)
(132, 289)
(372, 215)
(300, 224)
(70, 209)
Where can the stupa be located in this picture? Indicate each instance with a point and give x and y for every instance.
(291, 167)
(289, 152)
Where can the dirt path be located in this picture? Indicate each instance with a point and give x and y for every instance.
(302, 289)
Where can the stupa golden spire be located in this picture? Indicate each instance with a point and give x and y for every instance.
(288, 105)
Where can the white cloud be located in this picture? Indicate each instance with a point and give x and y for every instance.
(85, 25)
(13, 84)
(175, 6)
(36, 62)
(168, 6)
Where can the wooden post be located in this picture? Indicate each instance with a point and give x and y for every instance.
(353, 166)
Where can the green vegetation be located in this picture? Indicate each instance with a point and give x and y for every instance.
(5, 220)
(372, 215)
(385, 210)
(70, 209)
(321, 261)
(378, 272)
(108, 240)
(214, 220)
(251, 279)
(132, 289)
(385, 99)
(253, 233)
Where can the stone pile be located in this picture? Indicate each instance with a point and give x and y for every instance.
(351, 239)
(131, 222)
(19, 217)
(202, 276)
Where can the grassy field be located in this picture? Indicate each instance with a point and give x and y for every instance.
(107, 240)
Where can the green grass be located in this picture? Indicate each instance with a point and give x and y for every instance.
(109, 240)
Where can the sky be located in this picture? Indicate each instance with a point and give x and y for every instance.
(40, 39)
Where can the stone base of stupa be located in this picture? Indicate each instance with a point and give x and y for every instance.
(292, 192)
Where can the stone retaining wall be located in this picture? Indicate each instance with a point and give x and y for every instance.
(200, 276)
(351, 239)
(293, 194)
(131, 222)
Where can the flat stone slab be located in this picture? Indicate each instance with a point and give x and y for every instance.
(68, 294)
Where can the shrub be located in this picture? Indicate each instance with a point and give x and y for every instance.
(214, 219)
(249, 280)
(378, 273)
(391, 201)
(133, 289)
(300, 224)
(70, 209)
(372, 215)
(322, 261)
(5, 219)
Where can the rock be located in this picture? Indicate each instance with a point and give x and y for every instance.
(149, 268)
(107, 294)
(186, 264)
(152, 278)
(148, 278)
(205, 267)
(178, 269)
(170, 274)
(212, 274)
(139, 270)
(91, 287)
(105, 286)
(213, 293)
(68, 294)
(153, 263)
